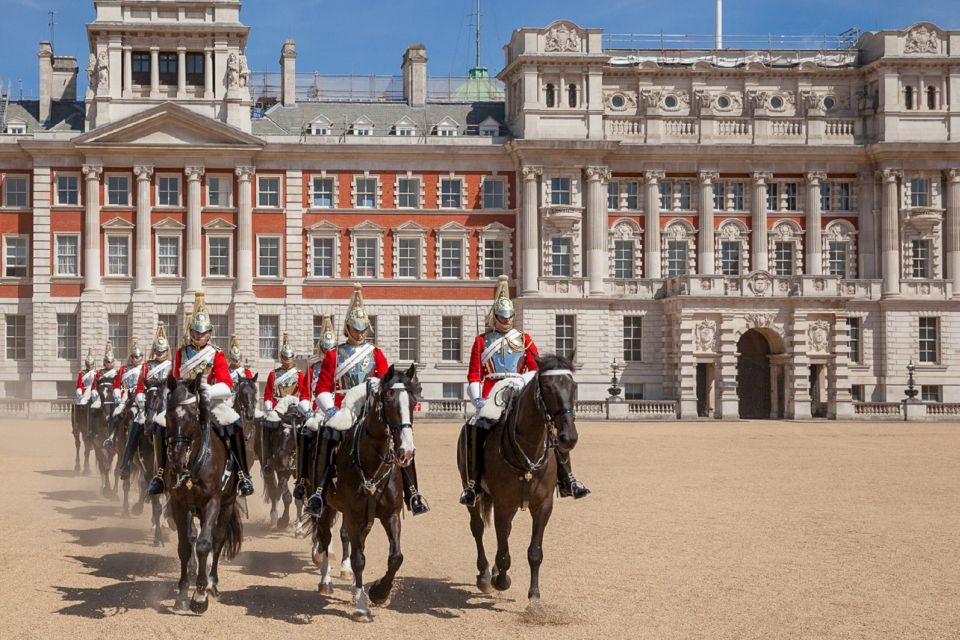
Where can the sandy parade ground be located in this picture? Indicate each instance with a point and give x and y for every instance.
(694, 530)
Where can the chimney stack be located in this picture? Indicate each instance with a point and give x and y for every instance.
(415, 75)
(58, 79)
(288, 74)
(45, 55)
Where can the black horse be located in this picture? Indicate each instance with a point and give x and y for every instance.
(245, 392)
(279, 463)
(97, 432)
(79, 417)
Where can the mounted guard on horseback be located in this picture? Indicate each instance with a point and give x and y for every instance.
(86, 386)
(152, 373)
(286, 385)
(306, 435)
(124, 390)
(238, 371)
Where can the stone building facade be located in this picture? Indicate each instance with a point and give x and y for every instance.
(749, 233)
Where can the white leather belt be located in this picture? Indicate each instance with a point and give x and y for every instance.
(501, 376)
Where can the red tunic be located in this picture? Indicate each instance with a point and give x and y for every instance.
(247, 373)
(118, 377)
(475, 372)
(219, 373)
(303, 391)
(326, 383)
(80, 380)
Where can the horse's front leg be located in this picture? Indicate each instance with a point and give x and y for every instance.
(211, 514)
(322, 534)
(182, 518)
(483, 565)
(503, 521)
(283, 480)
(346, 568)
(355, 527)
(540, 515)
(76, 443)
(380, 590)
(156, 511)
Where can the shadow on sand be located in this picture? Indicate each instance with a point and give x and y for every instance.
(114, 599)
(271, 564)
(107, 535)
(293, 606)
(65, 473)
(74, 495)
(438, 597)
(90, 512)
(128, 565)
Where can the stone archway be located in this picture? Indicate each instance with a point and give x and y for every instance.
(754, 382)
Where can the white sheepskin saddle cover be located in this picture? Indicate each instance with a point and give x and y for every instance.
(225, 414)
(497, 400)
(85, 398)
(350, 409)
(96, 404)
(283, 404)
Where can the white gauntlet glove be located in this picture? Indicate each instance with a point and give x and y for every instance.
(267, 406)
(141, 399)
(79, 393)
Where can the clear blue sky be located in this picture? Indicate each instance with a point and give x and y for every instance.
(341, 37)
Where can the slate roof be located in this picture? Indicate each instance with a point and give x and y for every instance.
(64, 116)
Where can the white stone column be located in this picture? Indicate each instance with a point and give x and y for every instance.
(890, 233)
(143, 277)
(758, 208)
(91, 228)
(529, 231)
(154, 72)
(951, 229)
(244, 230)
(208, 73)
(707, 265)
(127, 71)
(596, 228)
(814, 247)
(181, 72)
(651, 224)
(867, 238)
(194, 250)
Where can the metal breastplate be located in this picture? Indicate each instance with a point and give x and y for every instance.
(199, 368)
(156, 372)
(107, 374)
(88, 378)
(507, 358)
(130, 378)
(289, 386)
(356, 374)
(237, 374)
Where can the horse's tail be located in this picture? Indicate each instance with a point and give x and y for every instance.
(485, 504)
(234, 540)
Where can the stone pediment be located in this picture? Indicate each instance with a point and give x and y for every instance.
(168, 125)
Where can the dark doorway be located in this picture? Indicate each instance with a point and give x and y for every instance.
(704, 389)
(818, 405)
(753, 375)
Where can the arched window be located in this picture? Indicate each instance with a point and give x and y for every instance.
(572, 95)
(908, 98)
(931, 98)
(551, 96)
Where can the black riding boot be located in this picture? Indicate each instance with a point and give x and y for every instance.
(566, 483)
(264, 456)
(239, 451)
(414, 499)
(132, 439)
(160, 461)
(475, 439)
(324, 450)
(113, 422)
(300, 489)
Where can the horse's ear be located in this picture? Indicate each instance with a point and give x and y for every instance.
(171, 383)
(195, 385)
(255, 376)
(392, 371)
(412, 371)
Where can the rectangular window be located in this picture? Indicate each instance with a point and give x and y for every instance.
(67, 336)
(15, 257)
(168, 191)
(218, 256)
(790, 196)
(842, 196)
(323, 258)
(560, 257)
(140, 63)
(783, 258)
(452, 391)
(118, 190)
(857, 392)
(931, 393)
(929, 352)
(168, 256)
(16, 337)
(408, 193)
(118, 332)
(566, 335)
(730, 257)
(676, 258)
(167, 63)
(171, 326)
(560, 191)
(14, 192)
(409, 339)
(494, 194)
(450, 194)
(632, 338)
(623, 259)
(451, 258)
(719, 196)
(632, 191)
(493, 258)
(366, 190)
(195, 69)
(854, 331)
(408, 258)
(366, 259)
(613, 196)
(633, 391)
(683, 190)
(919, 192)
(666, 196)
(218, 191)
(323, 193)
(220, 335)
(736, 196)
(825, 196)
(268, 257)
(837, 258)
(269, 337)
(68, 190)
(372, 334)
(920, 259)
(452, 339)
(118, 255)
(68, 255)
(268, 190)
(773, 196)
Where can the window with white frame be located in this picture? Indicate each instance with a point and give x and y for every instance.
(494, 193)
(268, 256)
(677, 257)
(730, 257)
(367, 257)
(560, 191)
(773, 196)
(841, 200)
(452, 390)
(408, 193)
(268, 192)
(320, 127)
(68, 189)
(451, 349)
(451, 193)
(408, 257)
(219, 191)
(624, 250)
(931, 393)
(68, 254)
(220, 333)
(854, 332)
(837, 258)
(929, 343)
(565, 328)
(118, 255)
(631, 194)
(719, 195)
(632, 338)
(15, 256)
(219, 261)
(790, 202)
(783, 258)
(560, 257)
(269, 336)
(920, 259)
(409, 343)
(623, 259)
(732, 249)
(666, 195)
(323, 250)
(168, 256)
(493, 258)
(684, 201)
(372, 333)
(171, 326)
(67, 343)
(825, 196)
(118, 332)
(323, 193)
(16, 337)
(633, 391)
(736, 196)
(15, 191)
(613, 196)
(16, 128)
(365, 190)
(118, 190)
(168, 191)
(919, 192)
(451, 258)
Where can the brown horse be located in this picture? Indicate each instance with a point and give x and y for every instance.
(245, 392)
(78, 419)
(97, 432)
(143, 459)
(369, 486)
(197, 460)
(520, 470)
(280, 459)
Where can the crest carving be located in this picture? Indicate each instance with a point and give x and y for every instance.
(760, 319)
(818, 335)
(562, 38)
(922, 40)
(705, 335)
(759, 283)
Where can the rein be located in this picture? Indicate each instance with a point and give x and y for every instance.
(193, 464)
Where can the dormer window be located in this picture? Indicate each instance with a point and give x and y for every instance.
(404, 127)
(362, 130)
(490, 128)
(16, 128)
(446, 128)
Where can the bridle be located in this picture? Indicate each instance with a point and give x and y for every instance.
(185, 479)
(550, 418)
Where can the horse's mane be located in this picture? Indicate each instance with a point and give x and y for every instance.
(178, 395)
(412, 384)
(552, 361)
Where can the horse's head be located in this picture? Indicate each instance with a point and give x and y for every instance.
(399, 393)
(284, 450)
(152, 401)
(183, 425)
(557, 398)
(246, 403)
(105, 391)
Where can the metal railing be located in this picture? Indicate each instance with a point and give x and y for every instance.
(768, 42)
(265, 88)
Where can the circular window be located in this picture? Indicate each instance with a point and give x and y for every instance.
(829, 103)
(723, 102)
(670, 102)
(776, 102)
(617, 102)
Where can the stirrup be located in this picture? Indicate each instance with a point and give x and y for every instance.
(418, 504)
(244, 485)
(470, 495)
(314, 505)
(156, 486)
(299, 489)
(572, 488)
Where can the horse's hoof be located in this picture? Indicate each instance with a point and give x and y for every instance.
(158, 543)
(483, 583)
(273, 520)
(76, 468)
(137, 509)
(361, 616)
(325, 588)
(283, 523)
(379, 593)
(213, 591)
(501, 582)
(199, 606)
(182, 605)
